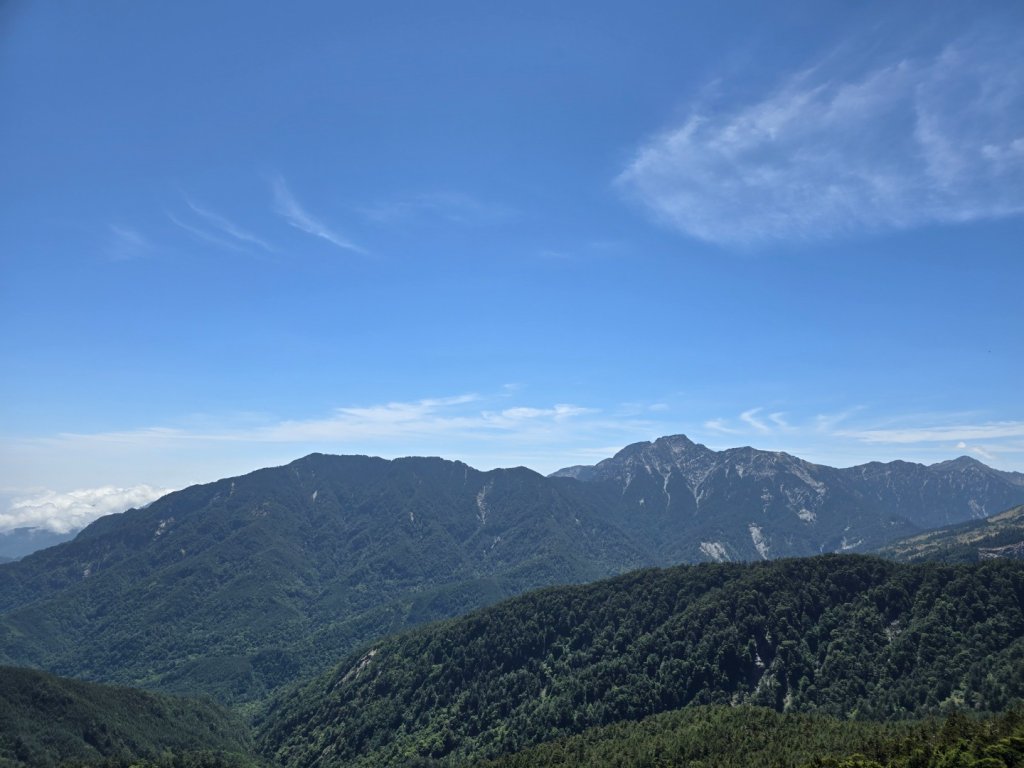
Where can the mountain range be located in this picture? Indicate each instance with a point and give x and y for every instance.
(693, 503)
(238, 587)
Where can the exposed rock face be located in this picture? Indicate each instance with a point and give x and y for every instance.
(694, 503)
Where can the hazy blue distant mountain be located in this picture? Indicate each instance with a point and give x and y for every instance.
(694, 503)
(23, 541)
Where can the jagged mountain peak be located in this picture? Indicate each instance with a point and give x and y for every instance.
(677, 452)
(960, 462)
(746, 502)
(677, 444)
(660, 457)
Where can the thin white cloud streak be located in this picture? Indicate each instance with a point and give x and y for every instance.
(979, 450)
(932, 434)
(750, 417)
(960, 432)
(202, 234)
(720, 425)
(443, 418)
(126, 244)
(288, 207)
(453, 207)
(228, 227)
(485, 431)
(66, 512)
(915, 142)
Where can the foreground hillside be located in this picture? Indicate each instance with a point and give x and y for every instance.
(742, 737)
(49, 721)
(845, 636)
(1001, 535)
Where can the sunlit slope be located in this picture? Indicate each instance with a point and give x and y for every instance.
(847, 636)
(1001, 535)
(235, 587)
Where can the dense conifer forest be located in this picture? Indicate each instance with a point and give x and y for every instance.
(835, 661)
(51, 721)
(742, 737)
(852, 637)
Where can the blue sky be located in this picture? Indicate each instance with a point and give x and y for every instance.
(509, 234)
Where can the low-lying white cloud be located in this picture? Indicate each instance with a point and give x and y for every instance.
(66, 512)
(916, 141)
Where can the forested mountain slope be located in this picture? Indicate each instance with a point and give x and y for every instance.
(234, 587)
(1001, 535)
(741, 737)
(50, 721)
(847, 636)
(237, 587)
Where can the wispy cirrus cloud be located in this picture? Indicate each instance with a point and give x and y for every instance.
(66, 512)
(721, 426)
(944, 433)
(750, 417)
(292, 211)
(500, 429)
(202, 234)
(917, 141)
(856, 433)
(126, 243)
(228, 227)
(462, 416)
(215, 229)
(977, 449)
(453, 207)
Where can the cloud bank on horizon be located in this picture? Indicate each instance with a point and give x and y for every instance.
(928, 140)
(67, 512)
(486, 433)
